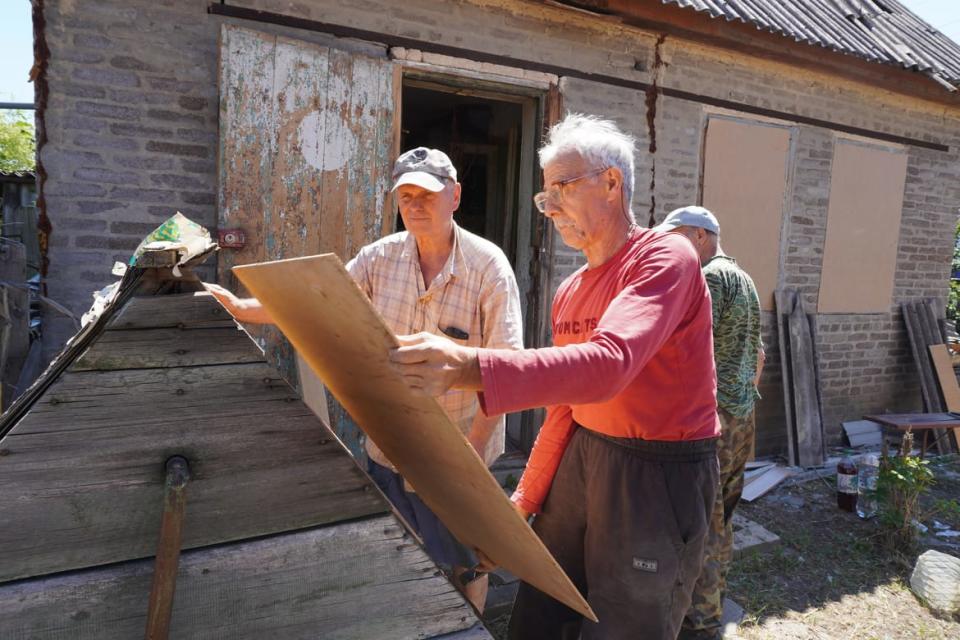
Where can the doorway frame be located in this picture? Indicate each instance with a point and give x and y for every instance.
(531, 236)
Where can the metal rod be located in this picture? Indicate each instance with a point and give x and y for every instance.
(390, 40)
(168, 549)
(17, 105)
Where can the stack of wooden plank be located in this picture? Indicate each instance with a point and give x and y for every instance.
(925, 329)
(801, 380)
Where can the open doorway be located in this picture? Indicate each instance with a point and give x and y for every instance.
(490, 137)
(482, 138)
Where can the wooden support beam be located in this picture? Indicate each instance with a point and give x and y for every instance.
(167, 560)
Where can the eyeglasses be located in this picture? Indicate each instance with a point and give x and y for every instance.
(555, 193)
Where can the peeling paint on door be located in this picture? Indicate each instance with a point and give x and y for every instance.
(313, 145)
(306, 143)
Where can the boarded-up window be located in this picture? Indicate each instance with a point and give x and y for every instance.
(744, 181)
(863, 228)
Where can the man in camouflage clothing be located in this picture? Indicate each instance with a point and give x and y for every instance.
(738, 354)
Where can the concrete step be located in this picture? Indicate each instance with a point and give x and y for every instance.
(733, 615)
(750, 537)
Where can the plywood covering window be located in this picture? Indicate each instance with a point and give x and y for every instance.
(744, 182)
(863, 228)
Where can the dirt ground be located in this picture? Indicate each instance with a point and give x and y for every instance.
(830, 578)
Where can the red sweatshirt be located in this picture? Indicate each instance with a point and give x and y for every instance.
(633, 357)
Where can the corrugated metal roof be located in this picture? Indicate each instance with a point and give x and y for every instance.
(18, 176)
(876, 30)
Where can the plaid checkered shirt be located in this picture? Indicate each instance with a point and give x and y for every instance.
(474, 301)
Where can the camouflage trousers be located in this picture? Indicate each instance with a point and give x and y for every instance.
(702, 621)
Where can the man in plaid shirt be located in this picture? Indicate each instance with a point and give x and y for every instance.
(434, 277)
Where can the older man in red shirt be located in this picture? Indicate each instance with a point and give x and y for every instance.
(624, 472)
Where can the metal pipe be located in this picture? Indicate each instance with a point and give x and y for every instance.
(168, 549)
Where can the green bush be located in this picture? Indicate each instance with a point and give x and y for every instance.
(17, 145)
(903, 479)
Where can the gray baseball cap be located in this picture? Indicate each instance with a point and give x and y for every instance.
(691, 216)
(423, 167)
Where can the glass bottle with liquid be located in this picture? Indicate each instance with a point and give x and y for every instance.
(847, 483)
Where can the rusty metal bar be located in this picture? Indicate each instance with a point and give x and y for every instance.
(168, 549)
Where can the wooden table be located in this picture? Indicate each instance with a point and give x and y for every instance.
(918, 422)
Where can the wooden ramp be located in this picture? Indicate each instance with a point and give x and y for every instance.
(284, 535)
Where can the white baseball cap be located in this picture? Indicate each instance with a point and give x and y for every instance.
(690, 216)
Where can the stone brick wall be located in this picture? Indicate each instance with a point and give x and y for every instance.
(132, 137)
(132, 131)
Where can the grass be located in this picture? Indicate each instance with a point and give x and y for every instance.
(830, 577)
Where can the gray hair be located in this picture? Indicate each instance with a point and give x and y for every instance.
(598, 141)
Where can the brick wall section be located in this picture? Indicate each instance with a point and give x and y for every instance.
(132, 124)
(133, 129)
(626, 108)
(680, 128)
(132, 120)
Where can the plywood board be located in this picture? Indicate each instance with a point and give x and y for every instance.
(367, 579)
(744, 182)
(863, 228)
(765, 483)
(325, 315)
(948, 381)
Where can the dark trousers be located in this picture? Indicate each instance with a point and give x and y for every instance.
(627, 520)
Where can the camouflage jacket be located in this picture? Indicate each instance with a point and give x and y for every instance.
(736, 333)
